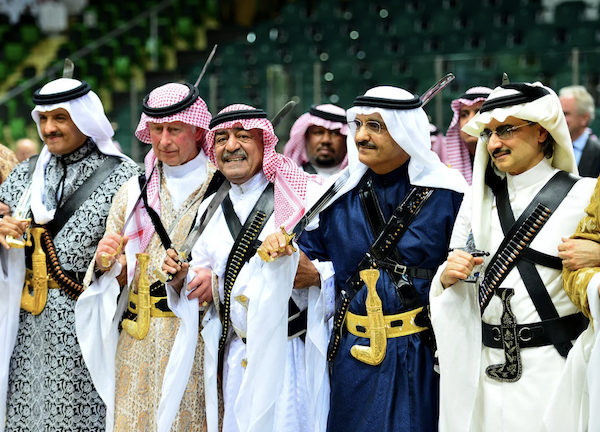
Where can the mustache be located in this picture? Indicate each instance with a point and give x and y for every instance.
(239, 152)
(366, 144)
(500, 150)
(53, 135)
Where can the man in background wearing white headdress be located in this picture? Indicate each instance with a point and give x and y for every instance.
(460, 146)
(272, 337)
(156, 359)
(386, 382)
(503, 341)
(45, 385)
(318, 141)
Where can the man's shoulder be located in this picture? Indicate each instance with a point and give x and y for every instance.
(593, 143)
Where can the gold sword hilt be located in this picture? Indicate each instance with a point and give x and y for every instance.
(25, 239)
(264, 254)
(105, 259)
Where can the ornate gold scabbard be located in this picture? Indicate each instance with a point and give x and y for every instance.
(35, 303)
(375, 353)
(139, 329)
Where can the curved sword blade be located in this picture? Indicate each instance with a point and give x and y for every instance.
(208, 60)
(436, 88)
(68, 69)
(282, 113)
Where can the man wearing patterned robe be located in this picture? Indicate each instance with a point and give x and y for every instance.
(504, 341)
(49, 387)
(391, 158)
(141, 378)
(274, 373)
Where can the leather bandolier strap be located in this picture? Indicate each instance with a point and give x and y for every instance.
(244, 246)
(216, 181)
(383, 253)
(515, 251)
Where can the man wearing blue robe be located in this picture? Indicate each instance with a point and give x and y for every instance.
(391, 155)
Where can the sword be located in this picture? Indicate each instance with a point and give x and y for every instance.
(105, 258)
(282, 113)
(68, 69)
(341, 181)
(197, 230)
(208, 60)
(436, 88)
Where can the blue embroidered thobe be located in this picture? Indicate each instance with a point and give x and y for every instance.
(401, 393)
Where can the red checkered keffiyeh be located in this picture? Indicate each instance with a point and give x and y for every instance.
(167, 95)
(290, 181)
(457, 153)
(295, 148)
(141, 228)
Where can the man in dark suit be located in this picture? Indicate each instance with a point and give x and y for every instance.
(578, 106)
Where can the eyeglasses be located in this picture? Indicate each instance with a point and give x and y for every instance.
(372, 126)
(503, 132)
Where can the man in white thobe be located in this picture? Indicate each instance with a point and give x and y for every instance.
(502, 342)
(274, 370)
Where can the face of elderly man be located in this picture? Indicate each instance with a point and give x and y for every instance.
(60, 133)
(376, 147)
(175, 143)
(575, 121)
(520, 149)
(239, 153)
(325, 147)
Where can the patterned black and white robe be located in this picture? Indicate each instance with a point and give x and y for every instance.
(49, 386)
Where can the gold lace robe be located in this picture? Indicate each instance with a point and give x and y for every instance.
(140, 364)
(576, 282)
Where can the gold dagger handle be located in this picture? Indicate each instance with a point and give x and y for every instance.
(22, 242)
(105, 259)
(262, 252)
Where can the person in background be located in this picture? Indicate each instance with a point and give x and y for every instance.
(579, 110)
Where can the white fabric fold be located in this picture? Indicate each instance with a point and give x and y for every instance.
(317, 339)
(12, 271)
(579, 386)
(593, 374)
(211, 332)
(98, 334)
(268, 292)
(456, 320)
(181, 358)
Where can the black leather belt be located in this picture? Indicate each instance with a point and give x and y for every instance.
(547, 332)
(157, 289)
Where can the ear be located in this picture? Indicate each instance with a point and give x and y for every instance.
(585, 119)
(542, 134)
(199, 133)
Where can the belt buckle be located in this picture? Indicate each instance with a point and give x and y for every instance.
(524, 338)
(400, 269)
(496, 333)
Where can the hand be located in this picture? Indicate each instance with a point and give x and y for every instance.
(307, 274)
(579, 253)
(171, 266)
(10, 226)
(201, 286)
(108, 247)
(459, 266)
(275, 244)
